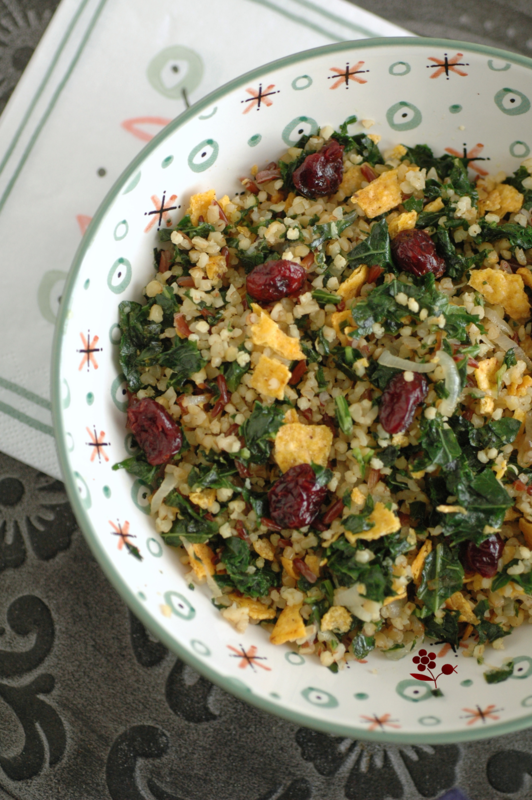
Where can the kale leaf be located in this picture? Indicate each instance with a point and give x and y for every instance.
(213, 475)
(445, 629)
(186, 226)
(138, 466)
(183, 358)
(259, 430)
(139, 334)
(233, 371)
(501, 674)
(191, 525)
(516, 234)
(287, 171)
(495, 433)
(236, 556)
(362, 645)
(374, 250)
(516, 180)
(331, 230)
(442, 576)
(360, 143)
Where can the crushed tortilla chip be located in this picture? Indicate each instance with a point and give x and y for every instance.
(202, 564)
(487, 406)
(216, 267)
(379, 196)
(404, 222)
(288, 566)
(526, 530)
(434, 205)
(502, 288)
(351, 182)
(451, 509)
(352, 286)
(343, 331)
(357, 497)
(520, 389)
(270, 378)
(384, 522)
(503, 466)
(337, 618)
(199, 205)
(418, 562)
(457, 602)
(264, 548)
(203, 499)
(501, 200)
(267, 333)
(289, 627)
(526, 275)
(313, 563)
(291, 416)
(302, 444)
(256, 609)
(485, 374)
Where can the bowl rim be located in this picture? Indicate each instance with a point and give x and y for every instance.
(110, 567)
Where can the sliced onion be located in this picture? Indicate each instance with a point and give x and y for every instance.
(505, 343)
(169, 483)
(452, 383)
(500, 323)
(389, 360)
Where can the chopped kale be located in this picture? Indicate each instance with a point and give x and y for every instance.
(374, 250)
(213, 475)
(495, 433)
(138, 466)
(138, 334)
(323, 298)
(362, 645)
(259, 430)
(360, 143)
(344, 359)
(445, 629)
(516, 234)
(509, 358)
(442, 576)
(258, 502)
(236, 556)
(389, 455)
(183, 358)
(323, 475)
(191, 525)
(523, 579)
(456, 263)
(501, 674)
(413, 204)
(185, 226)
(331, 230)
(379, 375)
(516, 180)
(487, 631)
(287, 171)
(233, 371)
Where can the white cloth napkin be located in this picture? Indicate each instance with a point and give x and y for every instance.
(107, 75)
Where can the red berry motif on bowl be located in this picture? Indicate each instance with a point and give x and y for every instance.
(426, 663)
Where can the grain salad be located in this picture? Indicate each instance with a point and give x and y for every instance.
(330, 380)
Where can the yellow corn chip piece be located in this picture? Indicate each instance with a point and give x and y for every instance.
(487, 406)
(199, 205)
(265, 549)
(396, 152)
(270, 377)
(288, 566)
(216, 267)
(351, 181)
(434, 205)
(384, 522)
(380, 195)
(202, 564)
(352, 286)
(256, 609)
(341, 330)
(404, 222)
(313, 563)
(457, 602)
(503, 199)
(337, 618)
(451, 509)
(520, 389)
(417, 563)
(203, 499)
(502, 288)
(526, 275)
(485, 374)
(302, 444)
(267, 333)
(291, 416)
(289, 626)
(357, 497)
(526, 530)
(399, 596)
(501, 470)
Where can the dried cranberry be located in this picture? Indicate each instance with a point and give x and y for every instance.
(295, 499)
(155, 430)
(321, 173)
(400, 400)
(274, 280)
(483, 557)
(414, 251)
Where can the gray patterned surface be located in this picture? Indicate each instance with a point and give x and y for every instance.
(91, 707)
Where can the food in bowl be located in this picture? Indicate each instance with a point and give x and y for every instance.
(329, 381)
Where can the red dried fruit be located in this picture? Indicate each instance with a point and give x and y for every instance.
(400, 400)
(274, 280)
(295, 499)
(483, 557)
(155, 430)
(333, 512)
(374, 273)
(305, 570)
(321, 173)
(298, 373)
(368, 172)
(414, 251)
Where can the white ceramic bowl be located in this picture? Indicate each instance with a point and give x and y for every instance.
(451, 95)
